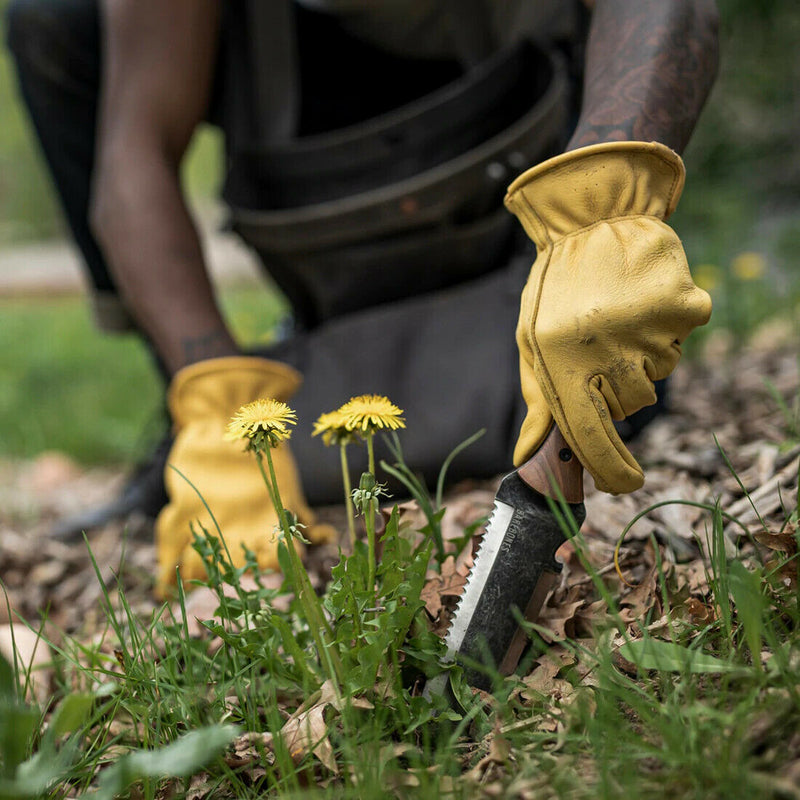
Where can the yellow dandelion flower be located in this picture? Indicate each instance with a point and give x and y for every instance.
(262, 422)
(749, 266)
(332, 427)
(707, 276)
(370, 412)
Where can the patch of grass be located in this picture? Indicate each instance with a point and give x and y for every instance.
(668, 702)
(65, 386)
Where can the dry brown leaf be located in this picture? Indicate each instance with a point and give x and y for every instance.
(589, 616)
(536, 687)
(251, 747)
(541, 679)
(558, 655)
(499, 749)
(607, 515)
(783, 541)
(699, 613)
(636, 603)
(199, 787)
(448, 583)
(677, 518)
(498, 754)
(306, 731)
(693, 575)
(558, 620)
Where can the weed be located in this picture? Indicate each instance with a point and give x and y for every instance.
(285, 690)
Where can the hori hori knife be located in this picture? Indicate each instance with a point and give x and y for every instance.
(515, 566)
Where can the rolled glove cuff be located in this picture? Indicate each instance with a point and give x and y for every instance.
(223, 385)
(603, 181)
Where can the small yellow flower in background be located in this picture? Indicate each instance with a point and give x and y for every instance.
(262, 422)
(333, 429)
(368, 413)
(749, 266)
(707, 276)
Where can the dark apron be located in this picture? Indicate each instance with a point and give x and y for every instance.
(390, 241)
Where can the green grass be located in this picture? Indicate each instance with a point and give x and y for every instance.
(64, 386)
(686, 708)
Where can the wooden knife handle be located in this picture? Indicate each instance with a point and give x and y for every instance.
(554, 462)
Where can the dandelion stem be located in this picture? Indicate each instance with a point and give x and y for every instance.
(348, 502)
(315, 616)
(371, 453)
(369, 517)
(276, 501)
(369, 521)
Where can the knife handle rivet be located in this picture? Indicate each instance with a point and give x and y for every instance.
(565, 454)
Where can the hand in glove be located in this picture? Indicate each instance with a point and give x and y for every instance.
(202, 399)
(609, 299)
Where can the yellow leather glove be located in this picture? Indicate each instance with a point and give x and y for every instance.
(609, 299)
(202, 399)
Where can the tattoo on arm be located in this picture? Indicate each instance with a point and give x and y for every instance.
(650, 66)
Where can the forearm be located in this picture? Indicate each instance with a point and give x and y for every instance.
(157, 74)
(152, 247)
(650, 65)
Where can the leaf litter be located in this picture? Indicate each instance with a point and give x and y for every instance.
(726, 441)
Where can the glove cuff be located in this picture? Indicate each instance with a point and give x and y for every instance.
(222, 385)
(599, 182)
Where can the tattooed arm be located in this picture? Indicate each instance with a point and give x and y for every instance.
(650, 65)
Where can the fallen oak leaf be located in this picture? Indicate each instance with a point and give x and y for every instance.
(539, 684)
(558, 655)
(432, 597)
(558, 614)
(694, 576)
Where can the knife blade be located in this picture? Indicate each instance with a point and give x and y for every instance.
(515, 566)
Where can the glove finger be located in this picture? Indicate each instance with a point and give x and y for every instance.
(698, 309)
(689, 309)
(660, 361)
(589, 430)
(626, 395)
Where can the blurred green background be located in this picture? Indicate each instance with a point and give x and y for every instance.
(64, 386)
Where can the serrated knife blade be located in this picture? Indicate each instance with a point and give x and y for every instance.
(515, 566)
